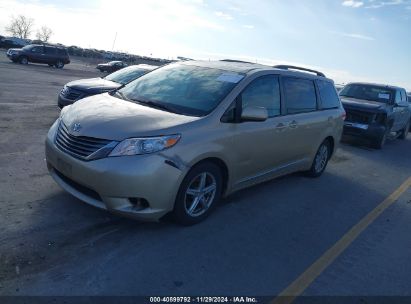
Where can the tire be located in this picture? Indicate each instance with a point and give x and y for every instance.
(380, 142)
(405, 131)
(23, 60)
(197, 188)
(59, 64)
(320, 160)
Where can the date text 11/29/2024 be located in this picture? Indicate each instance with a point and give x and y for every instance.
(203, 300)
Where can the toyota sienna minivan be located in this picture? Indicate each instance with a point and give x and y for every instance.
(181, 137)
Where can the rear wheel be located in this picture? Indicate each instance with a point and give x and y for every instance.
(59, 64)
(23, 60)
(405, 131)
(320, 160)
(199, 193)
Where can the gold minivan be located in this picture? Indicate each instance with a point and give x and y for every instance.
(182, 136)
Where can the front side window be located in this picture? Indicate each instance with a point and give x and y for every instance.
(126, 75)
(36, 49)
(368, 92)
(300, 95)
(328, 95)
(263, 92)
(185, 89)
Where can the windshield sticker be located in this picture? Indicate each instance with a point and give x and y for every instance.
(230, 77)
(383, 96)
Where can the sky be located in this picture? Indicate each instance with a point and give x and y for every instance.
(348, 40)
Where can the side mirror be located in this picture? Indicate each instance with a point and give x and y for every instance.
(254, 114)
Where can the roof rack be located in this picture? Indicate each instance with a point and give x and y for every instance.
(234, 60)
(291, 67)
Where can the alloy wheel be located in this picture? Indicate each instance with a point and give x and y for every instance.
(200, 194)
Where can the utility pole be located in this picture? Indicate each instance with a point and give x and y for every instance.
(114, 42)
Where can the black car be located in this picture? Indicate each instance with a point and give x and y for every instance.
(79, 89)
(36, 53)
(111, 66)
(375, 112)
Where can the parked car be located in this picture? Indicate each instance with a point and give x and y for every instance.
(339, 87)
(374, 111)
(179, 138)
(111, 66)
(82, 88)
(48, 54)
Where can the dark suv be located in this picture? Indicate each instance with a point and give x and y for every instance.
(111, 66)
(375, 112)
(48, 54)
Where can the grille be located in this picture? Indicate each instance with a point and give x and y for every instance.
(86, 191)
(70, 94)
(358, 116)
(78, 146)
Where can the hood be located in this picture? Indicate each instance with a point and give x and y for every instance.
(361, 103)
(107, 117)
(93, 84)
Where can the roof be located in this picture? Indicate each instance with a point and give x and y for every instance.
(233, 66)
(379, 85)
(148, 67)
(244, 67)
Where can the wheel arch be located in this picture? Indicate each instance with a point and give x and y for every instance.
(223, 167)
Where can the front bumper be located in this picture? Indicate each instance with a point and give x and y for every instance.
(62, 101)
(368, 131)
(111, 182)
(12, 57)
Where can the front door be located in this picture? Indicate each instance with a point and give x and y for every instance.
(259, 147)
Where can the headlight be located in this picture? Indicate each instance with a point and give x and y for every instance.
(136, 146)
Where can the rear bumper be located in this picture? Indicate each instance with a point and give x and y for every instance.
(371, 131)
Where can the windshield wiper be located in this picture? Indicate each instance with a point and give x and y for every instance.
(157, 105)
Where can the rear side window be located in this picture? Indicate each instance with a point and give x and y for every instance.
(300, 95)
(328, 95)
(263, 92)
(61, 51)
(50, 50)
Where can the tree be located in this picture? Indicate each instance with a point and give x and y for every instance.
(44, 33)
(20, 26)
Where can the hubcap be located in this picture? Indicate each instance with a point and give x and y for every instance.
(200, 194)
(321, 158)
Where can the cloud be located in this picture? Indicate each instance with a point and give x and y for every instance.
(223, 15)
(354, 35)
(248, 26)
(379, 4)
(353, 3)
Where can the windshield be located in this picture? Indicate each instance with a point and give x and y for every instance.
(126, 75)
(368, 92)
(188, 90)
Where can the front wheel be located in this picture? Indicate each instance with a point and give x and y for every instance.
(379, 142)
(199, 193)
(405, 131)
(24, 60)
(320, 160)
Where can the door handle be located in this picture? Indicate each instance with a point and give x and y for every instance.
(293, 124)
(280, 126)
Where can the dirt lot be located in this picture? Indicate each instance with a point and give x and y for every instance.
(256, 243)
